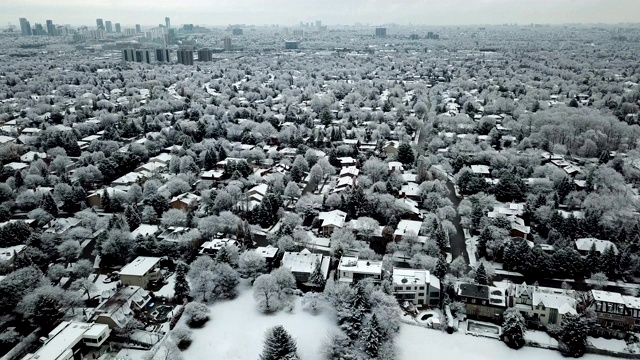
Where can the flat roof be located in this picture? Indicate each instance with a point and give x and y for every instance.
(353, 264)
(302, 262)
(410, 276)
(267, 251)
(140, 266)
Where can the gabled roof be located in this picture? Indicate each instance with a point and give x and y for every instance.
(584, 244)
(333, 217)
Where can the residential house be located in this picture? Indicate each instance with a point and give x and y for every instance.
(185, 202)
(212, 247)
(270, 254)
(347, 161)
(8, 254)
(32, 156)
(419, 287)
(351, 172)
(395, 166)
(303, 263)
(481, 170)
(482, 302)
(391, 147)
(332, 220)
(72, 340)
(616, 314)
(352, 270)
(584, 245)
(94, 199)
(541, 306)
(344, 183)
(120, 308)
(406, 227)
(411, 191)
(141, 271)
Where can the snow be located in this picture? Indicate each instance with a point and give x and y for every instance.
(541, 338)
(611, 344)
(414, 342)
(101, 287)
(236, 330)
(167, 290)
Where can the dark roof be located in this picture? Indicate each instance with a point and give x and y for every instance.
(474, 291)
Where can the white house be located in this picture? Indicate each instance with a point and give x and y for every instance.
(351, 269)
(407, 227)
(141, 271)
(303, 263)
(416, 286)
(332, 220)
(70, 340)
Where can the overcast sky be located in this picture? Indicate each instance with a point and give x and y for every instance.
(331, 12)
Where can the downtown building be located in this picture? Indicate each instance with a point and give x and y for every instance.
(185, 57)
(163, 55)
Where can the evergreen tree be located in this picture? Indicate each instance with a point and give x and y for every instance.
(573, 335)
(592, 261)
(405, 154)
(564, 187)
(316, 279)
(441, 268)
(49, 205)
(481, 277)
(609, 262)
(481, 245)
(223, 255)
(18, 180)
(513, 328)
(279, 345)
(132, 216)
(181, 287)
(371, 340)
(105, 200)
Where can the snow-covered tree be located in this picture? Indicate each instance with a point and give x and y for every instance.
(196, 314)
(371, 337)
(279, 345)
(481, 275)
(513, 328)
(181, 287)
(316, 279)
(266, 291)
(251, 265)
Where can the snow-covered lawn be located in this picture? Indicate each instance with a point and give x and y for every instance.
(236, 330)
(416, 342)
(167, 289)
(610, 344)
(541, 338)
(101, 286)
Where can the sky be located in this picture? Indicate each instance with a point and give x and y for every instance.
(330, 12)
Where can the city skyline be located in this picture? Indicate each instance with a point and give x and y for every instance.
(290, 12)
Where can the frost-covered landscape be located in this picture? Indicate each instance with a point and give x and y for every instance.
(319, 180)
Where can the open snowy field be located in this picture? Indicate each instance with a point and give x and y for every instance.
(414, 342)
(236, 330)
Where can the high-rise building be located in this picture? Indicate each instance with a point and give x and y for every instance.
(138, 29)
(236, 31)
(143, 56)
(171, 36)
(25, 27)
(205, 55)
(381, 32)
(128, 55)
(291, 45)
(227, 44)
(38, 29)
(185, 57)
(167, 22)
(163, 55)
(118, 28)
(51, 30)
(100, 24)
(108, 26)
(318, 23)
(298, 33)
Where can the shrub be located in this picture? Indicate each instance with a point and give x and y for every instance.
(197, 314)
(182, 336)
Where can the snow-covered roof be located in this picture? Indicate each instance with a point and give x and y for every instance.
(584, 244)
(564, 304)
(480, 169)
(355, 265)
(65, 337)
(144, 230)
(31, 155)
(140, 266)
(334, 217)
(606, 296)
(403, 276)
(267, 251)
(6, 254)
(301, 262)
(410, 189)
(349, 171)
(406, 226)
(187, 198)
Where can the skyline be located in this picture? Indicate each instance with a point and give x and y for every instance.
(291, 12)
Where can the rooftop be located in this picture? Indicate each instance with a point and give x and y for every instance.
(301, 262)
(267, 251)
(353, 264)
(606, 296)
(410, 276)
(140, 266)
